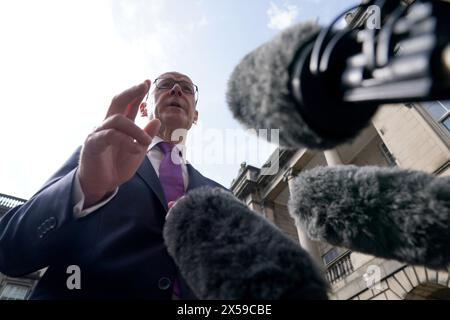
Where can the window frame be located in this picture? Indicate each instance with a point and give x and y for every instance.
(437, 125)
(389, 157)
(13, 284)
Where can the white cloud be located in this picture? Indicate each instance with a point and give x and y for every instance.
(281, 18)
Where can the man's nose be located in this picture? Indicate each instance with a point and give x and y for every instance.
(176, 90)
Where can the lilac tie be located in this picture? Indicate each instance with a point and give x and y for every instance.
(170, 174)
(171, 178)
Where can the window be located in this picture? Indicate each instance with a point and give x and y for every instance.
(388, 155)
(440, 112)
(13, 292)
(446, 123)
(331, 255)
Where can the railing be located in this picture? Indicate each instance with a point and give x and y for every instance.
(339, 268)
(9, 201)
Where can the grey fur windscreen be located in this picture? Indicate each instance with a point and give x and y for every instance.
(259, 90)
(387, 212)
(226, 251)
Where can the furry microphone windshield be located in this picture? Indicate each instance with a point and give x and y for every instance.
(260, 95)
(386, 212)
(226, 251)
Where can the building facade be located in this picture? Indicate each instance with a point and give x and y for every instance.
(398, 136)
(15, 288)
(414, 136)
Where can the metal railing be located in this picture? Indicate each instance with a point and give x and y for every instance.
(340, 268)
(10, 201)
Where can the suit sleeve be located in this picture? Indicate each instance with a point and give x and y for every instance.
(37, 232)
(78, 198)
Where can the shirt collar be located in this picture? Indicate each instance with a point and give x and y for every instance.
(181, 147)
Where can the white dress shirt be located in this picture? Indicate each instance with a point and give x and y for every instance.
(154, 154)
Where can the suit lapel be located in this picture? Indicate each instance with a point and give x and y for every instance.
(148, 174)
(195, 178)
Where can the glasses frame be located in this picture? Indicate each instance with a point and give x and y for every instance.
(196, 93)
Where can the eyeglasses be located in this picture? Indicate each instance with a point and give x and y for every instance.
(168, 83)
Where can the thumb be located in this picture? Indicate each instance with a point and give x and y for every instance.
(170, 204)
(152, 128)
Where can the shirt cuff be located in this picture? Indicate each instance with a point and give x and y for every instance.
(78, 198)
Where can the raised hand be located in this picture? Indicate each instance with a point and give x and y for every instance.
(112, 153)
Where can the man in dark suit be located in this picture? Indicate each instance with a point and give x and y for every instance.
(97, 222)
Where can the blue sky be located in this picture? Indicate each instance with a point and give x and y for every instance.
(61, 63)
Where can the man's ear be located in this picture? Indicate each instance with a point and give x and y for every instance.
(143, 109)
(195, 116)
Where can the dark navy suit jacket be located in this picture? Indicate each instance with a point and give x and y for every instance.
(119, 248)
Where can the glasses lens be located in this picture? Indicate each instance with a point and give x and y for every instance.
(187, 87)
(168, 83)
(165, 83)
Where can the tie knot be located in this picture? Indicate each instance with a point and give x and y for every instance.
(166, 147)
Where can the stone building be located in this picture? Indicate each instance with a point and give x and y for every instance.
(414, 136)
(15, 288)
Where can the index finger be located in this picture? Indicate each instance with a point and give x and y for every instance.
(128, 99)
(169, 205)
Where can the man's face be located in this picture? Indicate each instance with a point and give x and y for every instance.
(175, 107)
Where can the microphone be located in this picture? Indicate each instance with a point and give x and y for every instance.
(226, 251)
(260, 97)
(320, 87)
(386, 212)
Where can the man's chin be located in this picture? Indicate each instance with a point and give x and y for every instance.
(173, 121)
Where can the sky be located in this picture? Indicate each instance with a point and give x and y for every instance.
(62, 61)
